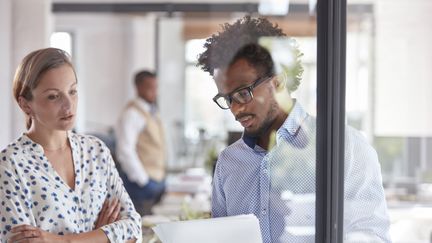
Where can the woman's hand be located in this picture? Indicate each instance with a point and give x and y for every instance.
(109, 213)
(26, 233)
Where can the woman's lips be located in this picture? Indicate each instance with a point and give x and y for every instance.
(67, 118)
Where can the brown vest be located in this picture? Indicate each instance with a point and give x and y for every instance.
(150, 146)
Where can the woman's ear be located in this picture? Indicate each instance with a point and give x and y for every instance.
(24, 105)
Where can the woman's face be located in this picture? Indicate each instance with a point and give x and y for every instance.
(54, 102)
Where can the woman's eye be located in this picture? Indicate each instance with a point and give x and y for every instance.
(52, 97)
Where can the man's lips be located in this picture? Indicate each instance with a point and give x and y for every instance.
(245, 120)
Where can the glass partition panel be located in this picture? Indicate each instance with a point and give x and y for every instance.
(259, 153)
(388, 97)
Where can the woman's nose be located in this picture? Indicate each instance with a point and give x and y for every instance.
(67, 101)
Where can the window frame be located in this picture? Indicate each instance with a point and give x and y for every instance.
(331, 61)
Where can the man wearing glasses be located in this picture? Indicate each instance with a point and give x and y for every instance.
(270, 171)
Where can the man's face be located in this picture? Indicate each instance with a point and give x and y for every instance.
(258, 115)
(147, 89)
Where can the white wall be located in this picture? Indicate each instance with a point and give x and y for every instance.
(101, 57)
(24, 26)
(108, 50)
(403, 68)
(171, 69)
(5, 72)
(142, 46)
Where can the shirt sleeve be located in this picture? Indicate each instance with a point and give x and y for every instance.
(218, 201)
(15, 206)
(129, 225)
(365, 206)
(128, 129)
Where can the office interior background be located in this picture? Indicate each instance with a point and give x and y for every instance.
(388, 78)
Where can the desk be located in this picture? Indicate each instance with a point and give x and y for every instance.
(187, 197)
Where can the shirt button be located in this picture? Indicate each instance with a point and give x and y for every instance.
(265, 171)
(263, 212)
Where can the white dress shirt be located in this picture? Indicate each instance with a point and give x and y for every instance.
(129, 126)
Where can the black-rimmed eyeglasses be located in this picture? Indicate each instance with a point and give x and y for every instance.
(241, 95)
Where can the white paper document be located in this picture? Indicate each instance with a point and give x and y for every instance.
(233, 229)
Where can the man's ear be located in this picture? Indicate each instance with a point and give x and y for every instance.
(280, 81)
(24, 105)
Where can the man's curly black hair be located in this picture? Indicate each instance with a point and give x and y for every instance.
(240, 40)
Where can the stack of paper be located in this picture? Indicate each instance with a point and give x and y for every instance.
(234, 229)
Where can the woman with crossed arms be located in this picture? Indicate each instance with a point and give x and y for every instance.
(56, 185)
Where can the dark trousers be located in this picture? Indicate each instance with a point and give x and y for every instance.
(144, 198)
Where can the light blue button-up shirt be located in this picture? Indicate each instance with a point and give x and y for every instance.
(279, 186)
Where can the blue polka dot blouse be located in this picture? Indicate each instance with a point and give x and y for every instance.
(33, 193)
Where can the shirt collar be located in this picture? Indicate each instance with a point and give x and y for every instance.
(292, 124)
(143, 104)
(32, 146)
(249, 140)
(29, 144)
(295, 119)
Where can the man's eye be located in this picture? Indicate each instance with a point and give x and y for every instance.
(73, 92)
(228, 100)
(243, 93)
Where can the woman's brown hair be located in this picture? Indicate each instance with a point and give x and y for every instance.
(31, 69)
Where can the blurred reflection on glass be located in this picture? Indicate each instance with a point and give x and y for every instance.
(388, 96)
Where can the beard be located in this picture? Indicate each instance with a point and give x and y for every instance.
(265, 125)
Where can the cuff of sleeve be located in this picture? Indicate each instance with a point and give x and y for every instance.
(123, 235)
(108, 232)
(141, 180)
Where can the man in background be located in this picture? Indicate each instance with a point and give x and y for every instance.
(140, 148)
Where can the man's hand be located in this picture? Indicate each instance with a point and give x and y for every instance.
(109, 213)
(27, 233)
